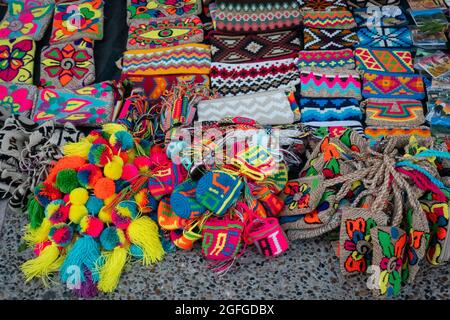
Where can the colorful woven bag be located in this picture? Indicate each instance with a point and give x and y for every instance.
(329, 20)
(384, 60)
(394, 112)
(323, 39)
(393, 85)
(334, 109)
(377, 37)
(267, 235)
(18, 98)
(334, 59)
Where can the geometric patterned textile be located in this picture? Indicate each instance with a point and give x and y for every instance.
(385, 37)
(323, 5)
(330, 109)
(394, 112)
(329, 20)
(393, 85)
(326, 59)
(239, 48)
(323, 39)
(384, 60)
(151, 9)
(375, 133)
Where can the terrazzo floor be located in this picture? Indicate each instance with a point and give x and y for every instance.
(308, 270)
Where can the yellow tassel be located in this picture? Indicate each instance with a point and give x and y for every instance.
(111, 128)
(112, 269)
(80, 149)
(31, 237)
(40, 267)
(144, 233)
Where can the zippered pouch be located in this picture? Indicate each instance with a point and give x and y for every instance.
(377, 37)
(242, 48)
(393, 85)
(386, 16)
(384, 60)
(88, 106)
(329, 83)
(334, 59)
(268, 108)
(18, 98)
(329, 39)
(394, 112)
(333, 109)
(329, 20)
(236, 79)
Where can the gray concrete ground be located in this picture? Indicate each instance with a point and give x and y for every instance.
(308, 270)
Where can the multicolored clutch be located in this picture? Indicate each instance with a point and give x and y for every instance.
(150, 9)
(89, 106)
(393, 85)
(28, 18)
(68, 65)
(386, 16)
(376, 133)
(267, 108)
(329, 83)
(18, 98)
(330, 109)
(329, 20)
(268, 237)
(377, 37)
(384, 60)
(394, 112)
(17, 60)
(335, 59)
(323, 39)
(183, 59)
(241, 48)
(236, 79)
(256, 16)
(165, 32)
(77, 20)
(323, 5)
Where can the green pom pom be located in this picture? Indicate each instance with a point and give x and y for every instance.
(35, 213)
(67, 180)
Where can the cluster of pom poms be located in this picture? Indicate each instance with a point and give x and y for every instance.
(78, 216)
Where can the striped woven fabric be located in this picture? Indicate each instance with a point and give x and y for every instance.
(329, 20)
(182, 59)
(326, 59)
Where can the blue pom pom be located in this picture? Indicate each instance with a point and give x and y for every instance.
(94, 205)
(122, 140)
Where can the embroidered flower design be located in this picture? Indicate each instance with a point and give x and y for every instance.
(13, 58)
(67, 63)
(144, 9)
(438, 216)
(14, 27)
(16, 101)
(179, 7)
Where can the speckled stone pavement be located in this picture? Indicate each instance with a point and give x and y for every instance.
(308, 270)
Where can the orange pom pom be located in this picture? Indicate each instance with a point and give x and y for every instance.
(104, 188)
(68, 162)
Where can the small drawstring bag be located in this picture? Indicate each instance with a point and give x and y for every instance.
(268, 236)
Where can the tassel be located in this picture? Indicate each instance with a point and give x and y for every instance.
(110, 271)
(84, 255)
(48, 261)
(35, 213)
(111, 128)
(80, 149)
(143, 232)
(40, 234)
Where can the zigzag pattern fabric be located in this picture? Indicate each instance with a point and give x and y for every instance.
(394, 112)
(376, 133)
(393, 85)
(230, 48)
(329, 20)
(235, 79)
(323, 5)
(182, 59)
(256, 16)
(330, 109)
(267, 108)
(385, 37)
(384, 60)
(326, 59)
(317, 39)
(329, 83)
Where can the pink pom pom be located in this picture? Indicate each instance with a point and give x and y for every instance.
(91, 226)
(143, 163)
(129, 171)
(158, 156)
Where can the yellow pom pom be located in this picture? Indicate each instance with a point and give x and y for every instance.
(79, 196)
(77, 212)
(113, 169)
(105, 215)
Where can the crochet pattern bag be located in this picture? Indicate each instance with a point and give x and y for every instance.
(17, 98)
(68, 65)
(28, 18)
(237, 79)
(393, 85)
(385, 37)
(386, 16)
(17, 60)
(303, 195)
(182, 59)
(323, 128)
(165, 32)
(88, 106)
(377, 133)
(323, 5)
(150, 9)
(330, 109)
(394, 112)
(384, 60)
(316, 82)
(268, 237)
(329, 20)
(240, 48)
(77, 20)
(323, 39)
(238, 16)
(270, 107)
(335, 59)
